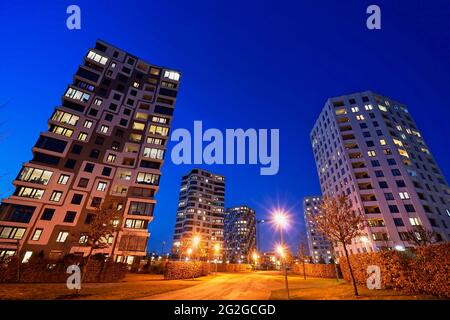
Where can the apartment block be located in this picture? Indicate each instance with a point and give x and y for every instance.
(200, 215)
(320, 249)
(368, 147)
(240, 234)
(105, 144)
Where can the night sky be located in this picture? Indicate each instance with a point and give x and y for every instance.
(244, 65)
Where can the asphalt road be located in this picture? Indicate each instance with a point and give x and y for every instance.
(229, 286)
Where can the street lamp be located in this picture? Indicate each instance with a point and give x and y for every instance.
(189, 252)
(196, 242)
(255, 258)
(281, 221)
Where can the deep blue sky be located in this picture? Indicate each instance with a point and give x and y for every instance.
(245, 65)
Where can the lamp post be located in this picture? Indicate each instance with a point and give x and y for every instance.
(280, 219)
(196, 242)
(258, 237)
(255, 258)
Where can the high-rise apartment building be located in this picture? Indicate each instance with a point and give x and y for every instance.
(105, 143)
(368, 147)
(320, 249)
(239, 234)
(200, 215)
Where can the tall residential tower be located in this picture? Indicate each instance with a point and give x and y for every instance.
(368, 147)
(200, 215)
(105, 144)
(320, 249)
(240, 234)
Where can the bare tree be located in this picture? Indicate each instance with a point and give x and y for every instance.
(105, 222)
(419, 236)
(340, 224)
(302, 254)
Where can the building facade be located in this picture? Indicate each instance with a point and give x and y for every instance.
(320, 249)
(369, 147)
(105, 143)
(240, 234)
(200, 215)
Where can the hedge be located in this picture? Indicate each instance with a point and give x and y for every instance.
(315, 270)
(424, 270)
(185, 269)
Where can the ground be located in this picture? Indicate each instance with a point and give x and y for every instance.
(223, 286)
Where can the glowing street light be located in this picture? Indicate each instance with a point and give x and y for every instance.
(189, 252)
(196, 241)
(281, 220)
(255, 258)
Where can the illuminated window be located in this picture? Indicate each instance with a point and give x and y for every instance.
(37, 234)
(65, 117)
(371, 153)
(62, 236)
(355, 109)
(82, 136)
(414, 221)
(154, 153)
(158, 130)
(27, 192)
(382, 142)
(368, 107)
(360, 117)
(35, 175)
(340, 111)
(77, 95)
(172, 75)
(382, 108)
(403, 195)
(87, 124)
(104, 129)
(96, 57)
(111, 157)
(403, 153)
(63, 179)
(398, 142)
(138, 126)
(141, 116)
(101, 186)
(56, 196)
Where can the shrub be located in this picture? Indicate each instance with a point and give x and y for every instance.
(424, 270)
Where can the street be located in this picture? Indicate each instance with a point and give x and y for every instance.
(229, 286)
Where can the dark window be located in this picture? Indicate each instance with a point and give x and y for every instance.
(391, 162)
(375, 163)
(400, 183)
(16, 213)
(73, 106)
(383, 184)
(76, 149)
(99, 140)
(123, 122)
(396, 172)
(399, 222)
(363, 125)
(70, 163)
(113, 106)
(379, 173)
(77, 198)
(389, 196)
(70, 216)
(127, 111)
(164, 110)
(119, 133)
(83, 183)
(366, 134)
(93, 112)
(393, 208)
(51, 144)
(150, 164)
(409, 208)
(365, 99)
(47, 214)
(89, 167)
(167, 92)
(370, 143)
(117, 96)
(130, 102)
(109, 117)
(89, 218)
(94, 153)
(100, 47)
(45, 158)
(87, 74)
(106, 171)
(96, 201)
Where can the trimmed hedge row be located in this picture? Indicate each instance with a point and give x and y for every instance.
(45, 271)
(424, 270)
(315, 270)
(185, 269)
(232, 267)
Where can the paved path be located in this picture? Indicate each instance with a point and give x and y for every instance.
(228, 286)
